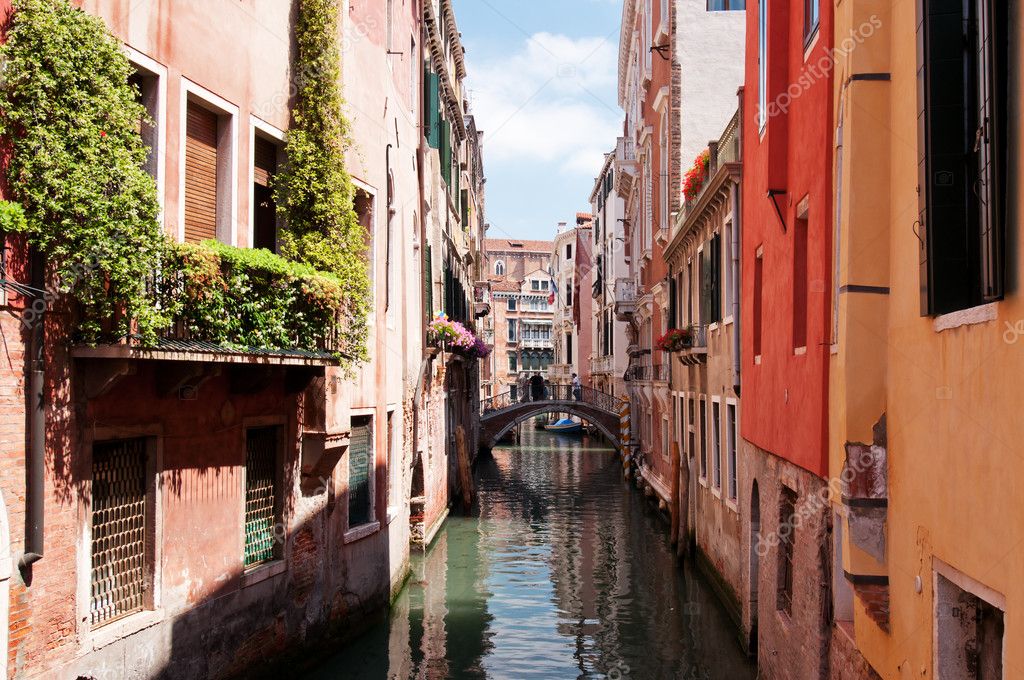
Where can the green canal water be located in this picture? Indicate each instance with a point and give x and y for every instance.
(563, 572)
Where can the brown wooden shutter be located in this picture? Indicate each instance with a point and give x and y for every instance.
(266, 161)
(200, 174)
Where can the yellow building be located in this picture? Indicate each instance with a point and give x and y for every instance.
(928, 338)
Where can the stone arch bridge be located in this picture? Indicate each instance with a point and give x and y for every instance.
(500, 414)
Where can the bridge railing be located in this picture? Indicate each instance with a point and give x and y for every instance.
(583, 395)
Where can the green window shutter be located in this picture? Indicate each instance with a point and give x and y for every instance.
(446, 151)
(464, 198)
(360, 456)
(428, 289)
(432, 108)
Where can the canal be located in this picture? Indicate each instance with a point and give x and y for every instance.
(563, 572)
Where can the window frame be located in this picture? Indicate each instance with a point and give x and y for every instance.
(354, 533)
(269, 133)
(762, 65)
(715, 430)
(151, 68)
(785, 585)
(702, 438)
(812, 20)
(732, 430)
(227, 159)
(103, 635)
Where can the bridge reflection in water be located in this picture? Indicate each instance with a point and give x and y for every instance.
(563, 573)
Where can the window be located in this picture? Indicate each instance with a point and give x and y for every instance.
(568, 296)
(812, 16)
(730, 266)
(513, 362)
(758, 295)
(691, 440)
(726, 5)
(511, 330)
(568, 348)
(202, 181)
(263, 526)
(962, 120)
(363, 204)
(123, 523)
(568, 251)
(535, 284)
(711, 284)
(511, 304)
(544, 285)
(762, 63)
(732, 433)
(394, 464)
(969, 631)
(663, 173)
(147, 85)
(787, 529)
(499, 268)
(800, 283)
(513, 392)
(360, 472)
(716, 441)
(264, 210)
(208, 182)
(703, 425)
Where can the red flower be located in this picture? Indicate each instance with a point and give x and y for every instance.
(696, 176)
(103, 133)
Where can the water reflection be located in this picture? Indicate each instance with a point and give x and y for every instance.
(562, 574)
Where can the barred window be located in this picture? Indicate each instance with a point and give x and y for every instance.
(360, 472)
(121, 560)
(787, 529)
(262, 497)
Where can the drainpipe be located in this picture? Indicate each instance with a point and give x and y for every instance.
(422, 219)
(35, 464)
(737, 224)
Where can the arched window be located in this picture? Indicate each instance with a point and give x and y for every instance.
(499, 268)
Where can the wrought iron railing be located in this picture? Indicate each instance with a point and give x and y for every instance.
(550, 393)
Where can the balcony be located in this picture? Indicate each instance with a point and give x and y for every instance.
(625, 299)
(481, 299)
(722, 152)
(602, 365)
(625, 166)
(535, 343)
(697, 351)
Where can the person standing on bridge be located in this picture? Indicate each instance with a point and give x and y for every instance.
(523, 385)
(536, 387)
(577, 388)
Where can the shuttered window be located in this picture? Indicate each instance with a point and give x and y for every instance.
(432, 108)
(711, 288)
(962, 116)
(360, 460)
(446, 152)
(200, 174)
(121, 562)
(264, 209)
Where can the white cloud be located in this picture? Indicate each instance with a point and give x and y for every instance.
(552, 101)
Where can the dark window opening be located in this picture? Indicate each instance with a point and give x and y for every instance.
(726, 5)
(786, 531)
(962, 163)
(758, 295)
(264, 208)
(800, 283)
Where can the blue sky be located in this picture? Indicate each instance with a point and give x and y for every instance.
(542, 80)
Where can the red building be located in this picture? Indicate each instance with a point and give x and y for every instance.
(786, 330)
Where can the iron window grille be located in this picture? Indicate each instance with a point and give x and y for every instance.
(787, 529)
(120, 560)
(262, 507)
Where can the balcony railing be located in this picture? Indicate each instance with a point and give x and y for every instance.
(721, 152)
(602, 365)
(625, 299)
(625, 150)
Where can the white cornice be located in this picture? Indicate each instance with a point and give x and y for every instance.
(629, 8)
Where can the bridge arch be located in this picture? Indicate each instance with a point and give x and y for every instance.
(500, 414)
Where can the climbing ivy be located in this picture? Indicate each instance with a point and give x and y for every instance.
(72, 121)
(314, 192)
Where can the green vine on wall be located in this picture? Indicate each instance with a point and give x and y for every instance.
(314, 192)
(71, 119)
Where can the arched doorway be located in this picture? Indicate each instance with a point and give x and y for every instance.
(755, 563)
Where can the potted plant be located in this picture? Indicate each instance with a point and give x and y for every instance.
(695, 177)
(676, 340)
